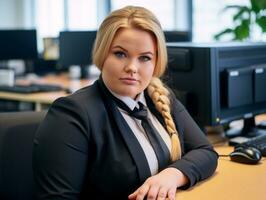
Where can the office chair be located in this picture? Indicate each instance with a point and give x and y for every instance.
(17, 131)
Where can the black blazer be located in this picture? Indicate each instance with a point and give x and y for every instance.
(84, 149)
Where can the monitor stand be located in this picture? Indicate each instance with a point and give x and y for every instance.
(249, 130)
(29, 66)
(3, 64)
(90, 71)
(79, 72)
(85, 73)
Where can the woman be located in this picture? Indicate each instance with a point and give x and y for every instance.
(102, 141)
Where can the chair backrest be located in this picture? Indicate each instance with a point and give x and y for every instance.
(17, 131)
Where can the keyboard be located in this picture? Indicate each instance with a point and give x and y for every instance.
(31, 88)
(258, 142)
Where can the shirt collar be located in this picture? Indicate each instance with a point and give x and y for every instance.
(131, 103)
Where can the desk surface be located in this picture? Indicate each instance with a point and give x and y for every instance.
(47, 97)
(231, 181)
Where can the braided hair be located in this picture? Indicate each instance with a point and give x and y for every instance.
(159, 95)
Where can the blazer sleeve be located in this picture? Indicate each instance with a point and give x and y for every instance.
(60, 154)
(199, 160)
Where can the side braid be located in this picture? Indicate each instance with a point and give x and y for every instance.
(159, 95)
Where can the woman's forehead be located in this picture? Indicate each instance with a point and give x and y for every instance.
(133, 38)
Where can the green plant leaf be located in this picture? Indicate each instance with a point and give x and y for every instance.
(254, 6)
(244, 19)
(232, 7)
(262, 4)
(262, 23)
(242, 31)
(220, 34)
(240, 13)
(258, 5)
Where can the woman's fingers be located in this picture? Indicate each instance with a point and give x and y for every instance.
(162, 194)
(171, 194)
(140, 193)
(159, 187)
(152, 193)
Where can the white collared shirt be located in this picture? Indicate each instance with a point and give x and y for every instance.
(139, 132)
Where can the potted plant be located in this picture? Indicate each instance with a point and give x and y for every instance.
(245, 19)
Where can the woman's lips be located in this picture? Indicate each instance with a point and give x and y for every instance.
(129, 81)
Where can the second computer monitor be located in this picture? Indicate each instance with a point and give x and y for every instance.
(177, 36)
(75, 47)
(18, 44)
(221, 82)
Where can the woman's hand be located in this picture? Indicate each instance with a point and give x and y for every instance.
(160, 186)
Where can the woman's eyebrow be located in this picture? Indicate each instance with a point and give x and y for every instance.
(119, 47)
(142, 53)
(147, 52)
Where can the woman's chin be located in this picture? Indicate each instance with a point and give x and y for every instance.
(131, 94)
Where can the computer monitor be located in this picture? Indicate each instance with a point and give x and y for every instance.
(177, 36)
(18, 44)
(75, 48)
(221, 82)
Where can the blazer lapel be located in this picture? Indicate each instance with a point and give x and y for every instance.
(133, 145)
(131, 141)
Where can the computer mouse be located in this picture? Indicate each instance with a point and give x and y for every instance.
(245, 154)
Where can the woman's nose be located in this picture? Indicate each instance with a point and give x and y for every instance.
(131, 67)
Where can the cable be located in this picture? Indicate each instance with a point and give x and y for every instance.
(223, 155)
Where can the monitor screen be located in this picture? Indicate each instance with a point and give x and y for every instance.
(18, 44)
(222, 81)
(177, 36)
(75, 47)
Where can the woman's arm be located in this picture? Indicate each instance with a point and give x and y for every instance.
(199, 160)
(60, 156)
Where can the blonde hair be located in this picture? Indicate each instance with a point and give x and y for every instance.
(143, 19)
(160, 97)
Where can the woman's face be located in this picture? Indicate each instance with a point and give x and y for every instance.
(130, 63)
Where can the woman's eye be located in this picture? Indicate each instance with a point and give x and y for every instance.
(145, 58)
(120, 54)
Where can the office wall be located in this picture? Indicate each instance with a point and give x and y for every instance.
(8, 18)
(182, 15)
(16, 13)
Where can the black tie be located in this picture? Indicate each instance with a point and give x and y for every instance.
(159, 146)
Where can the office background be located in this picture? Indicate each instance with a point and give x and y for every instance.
(59, 20)
(202, 19)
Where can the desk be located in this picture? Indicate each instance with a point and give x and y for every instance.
(231, 181)
(43, 98)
